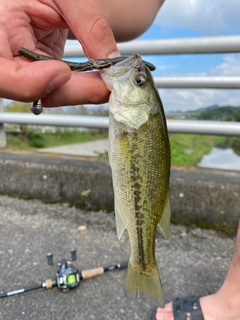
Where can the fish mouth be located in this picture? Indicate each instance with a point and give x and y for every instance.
(132, 62)
(121, 70)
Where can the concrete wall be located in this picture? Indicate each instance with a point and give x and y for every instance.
(208, 198)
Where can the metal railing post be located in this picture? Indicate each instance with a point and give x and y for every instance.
(3, 139)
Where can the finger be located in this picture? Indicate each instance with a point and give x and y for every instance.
(89, 27)
(31, 81)
(82, 88)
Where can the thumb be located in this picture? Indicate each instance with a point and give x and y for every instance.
(89, 27)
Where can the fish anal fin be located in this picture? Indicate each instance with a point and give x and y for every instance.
(164, 223)
(120, 225)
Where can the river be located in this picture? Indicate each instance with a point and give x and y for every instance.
(221, 159)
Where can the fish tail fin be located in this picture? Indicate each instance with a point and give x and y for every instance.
(145, 285)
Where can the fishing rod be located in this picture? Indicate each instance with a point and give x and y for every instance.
(67, 277)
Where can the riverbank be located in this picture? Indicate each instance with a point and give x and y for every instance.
(186, 149)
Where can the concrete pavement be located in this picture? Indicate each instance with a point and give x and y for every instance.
(192, 261)
(86, 149)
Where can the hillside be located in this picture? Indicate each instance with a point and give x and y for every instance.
(224, 113)
(215, 113)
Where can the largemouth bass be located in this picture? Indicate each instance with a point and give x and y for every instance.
(139, 155)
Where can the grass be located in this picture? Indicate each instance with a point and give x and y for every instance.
(186, 149)
(15, 143)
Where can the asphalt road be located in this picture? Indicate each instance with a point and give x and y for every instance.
(192, 261)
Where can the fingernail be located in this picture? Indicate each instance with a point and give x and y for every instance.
(114, 54)
(62, 77)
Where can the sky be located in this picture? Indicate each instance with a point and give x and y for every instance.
(196, 18)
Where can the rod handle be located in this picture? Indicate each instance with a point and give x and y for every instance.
(49, 284)
(92, 272)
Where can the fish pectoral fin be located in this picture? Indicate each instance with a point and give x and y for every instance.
(120, 225)
(165, 219)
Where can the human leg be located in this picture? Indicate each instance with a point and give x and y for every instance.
(225, 303)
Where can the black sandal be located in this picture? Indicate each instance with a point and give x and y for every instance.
(187, 308)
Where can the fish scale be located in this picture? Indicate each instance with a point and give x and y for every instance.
(139, 155)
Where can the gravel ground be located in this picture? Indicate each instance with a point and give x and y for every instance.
(192, 261)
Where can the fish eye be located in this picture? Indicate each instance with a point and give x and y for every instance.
(140, 80)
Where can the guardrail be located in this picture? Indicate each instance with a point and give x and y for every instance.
(221, 44)
(174, 126)
(226, 44)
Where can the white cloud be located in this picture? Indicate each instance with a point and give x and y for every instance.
(209, 17)
(190, 99)
(229, 67)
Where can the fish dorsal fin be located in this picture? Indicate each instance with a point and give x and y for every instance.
(165, 219)
(120, 225)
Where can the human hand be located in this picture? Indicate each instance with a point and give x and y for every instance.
(42, 26)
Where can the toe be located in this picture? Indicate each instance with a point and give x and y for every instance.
(162, 315)
(166, 313)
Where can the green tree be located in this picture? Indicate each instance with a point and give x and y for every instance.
(18, 107)
(225, 113)
(77, 110)
(237, 115)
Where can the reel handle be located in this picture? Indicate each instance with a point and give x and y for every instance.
(74, 254)
(50, 259)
